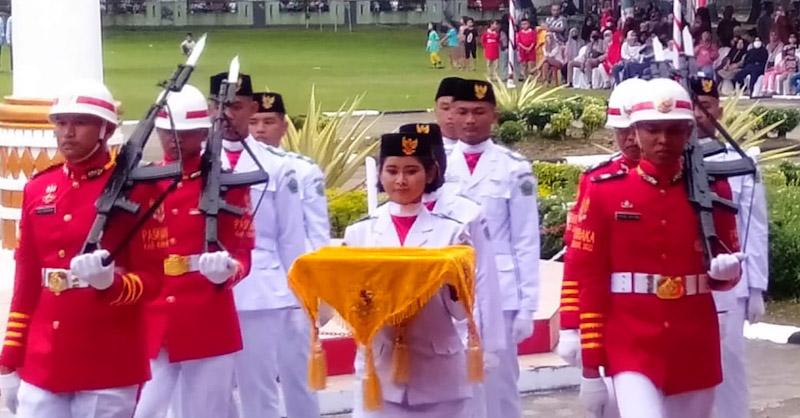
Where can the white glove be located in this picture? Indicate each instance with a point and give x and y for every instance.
(593, 396)
(522, 328)
(726, 266)
(490, 361)
(90, 269)
(755, 306)
(569, 346)
(218, 266)
(9, 386)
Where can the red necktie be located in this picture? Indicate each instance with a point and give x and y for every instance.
(430, 205)
(403, 224)
(472, 160)
(233, 157)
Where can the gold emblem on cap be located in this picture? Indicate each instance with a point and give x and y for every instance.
(665, 105)
(409, 145)
(267, 101)
(423, 128)
(481, 90)
(708, 85)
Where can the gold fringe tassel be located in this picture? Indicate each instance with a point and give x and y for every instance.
(373, 397)
(401, 358)
(474, 354)
(317, 367)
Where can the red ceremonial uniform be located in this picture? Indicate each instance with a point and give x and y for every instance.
(490, 41)
(193, 318)
(73, 339)
(615, 166)
(526, 39)
(642, 222)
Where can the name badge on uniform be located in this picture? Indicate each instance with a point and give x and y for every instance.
(627, 216)
(44, 210)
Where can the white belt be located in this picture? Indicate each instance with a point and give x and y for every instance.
(59, 280)
(665, 287)
(177, 265)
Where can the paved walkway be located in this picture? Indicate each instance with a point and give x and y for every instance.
(774, 386)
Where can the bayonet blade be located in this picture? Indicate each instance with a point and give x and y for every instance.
(197, 51)
(233, 71)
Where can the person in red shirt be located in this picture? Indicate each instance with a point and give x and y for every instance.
(490, 41)
(76, 334)
(526, 44)
(194, 363)
(646, 312)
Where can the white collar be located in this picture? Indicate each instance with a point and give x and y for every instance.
(404, 210)
(233, 146)
(481, 147)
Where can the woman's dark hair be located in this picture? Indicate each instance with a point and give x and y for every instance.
(429, 164)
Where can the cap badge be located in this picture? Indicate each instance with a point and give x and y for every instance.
(423, 128)
(409, 145)
(480, 91)
(708, 85)
(267, 101)
(665, 105)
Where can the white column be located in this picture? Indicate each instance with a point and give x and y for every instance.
(55, 41)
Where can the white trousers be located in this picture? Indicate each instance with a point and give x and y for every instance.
(35, 402)
(500, 384)
(276, 348)
(638, 397)
(199, 388)
(733, 398)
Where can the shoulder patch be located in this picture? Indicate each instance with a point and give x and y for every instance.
(439, 215)
(512, 154)
(610, 176)
(48, 170)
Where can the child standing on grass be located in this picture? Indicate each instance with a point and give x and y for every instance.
(526, 42)
(470, 45)
(434, 45)
(455, 53)
(490, 41)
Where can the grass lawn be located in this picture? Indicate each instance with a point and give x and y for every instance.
(389, 64)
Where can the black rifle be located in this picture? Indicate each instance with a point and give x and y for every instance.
(698, 172)
(128, 171)
(215, 181)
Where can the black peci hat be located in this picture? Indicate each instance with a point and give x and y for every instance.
(474, 91)
(243, 88)
(269, 102)
(704, 86)
(434, 133)
(405, 145)
(447, 87)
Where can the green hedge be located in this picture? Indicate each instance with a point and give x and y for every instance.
(344, 208)
(783, 195)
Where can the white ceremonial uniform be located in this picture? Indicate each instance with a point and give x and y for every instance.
(315, 203)
(449, 143)
(732, 397)
(504, 185)
(488, 306)
(102, 403)
(263, 299)
(438, 385)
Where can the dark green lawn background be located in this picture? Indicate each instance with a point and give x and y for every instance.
(390, 65)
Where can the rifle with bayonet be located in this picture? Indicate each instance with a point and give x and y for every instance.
(128, 171)
(698, 172)
(215, 181)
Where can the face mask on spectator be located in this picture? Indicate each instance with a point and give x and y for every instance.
(757, 44)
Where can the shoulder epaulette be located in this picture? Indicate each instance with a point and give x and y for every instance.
(303, 158)
(601, 164)
(275, 151)
(610, 176)
(48, 169)
(439, 215)
(463, 196)
(364, 218)
(513, 154)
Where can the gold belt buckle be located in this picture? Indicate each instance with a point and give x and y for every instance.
(57, 281)
(670, 287)
(176, 265)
